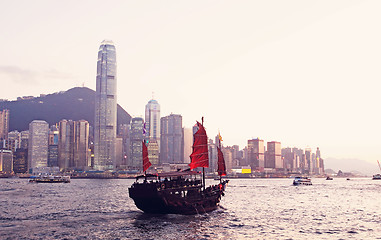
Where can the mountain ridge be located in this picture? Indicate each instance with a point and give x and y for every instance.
(77, 103)
(351, 165)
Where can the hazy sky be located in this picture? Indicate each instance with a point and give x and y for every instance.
(305, 73)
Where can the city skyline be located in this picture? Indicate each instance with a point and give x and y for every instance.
(304, 74)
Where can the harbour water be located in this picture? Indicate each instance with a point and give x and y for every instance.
(251, 209)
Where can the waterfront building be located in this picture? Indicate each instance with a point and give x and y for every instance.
(274, 155)
(73, 146)
(105, 108)
(256, 154)
(53, 147)
(24, 135)
(4, 124)
(66, 144)
(13, 141)
(119, 153)
(188, 143)
(213, 156)
(20, 161)
(6, 161)
(124, 133)
(153, 151)
(289, 159)
(308, 167)
(152, 121)
(81, 145)
(172, 145)
(136, 140)
(228, 156)
(38, 145)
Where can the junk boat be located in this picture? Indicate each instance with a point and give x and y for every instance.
(49, 179)
(377, 176)
(302, 181)
(184, 191)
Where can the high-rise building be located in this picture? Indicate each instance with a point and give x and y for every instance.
(119, 153)
(73, 146)
(136, 140)
(24, 139)
(53, 147)
(152, 121)
(171, 139)
(105, 108)
(13, 141)
(308, 160)
(6, 161)
(20, 161)
(38, 144)
(81, 145)
(66, 144)
(124, 133)
(188, 143)
(4, 124)
(153, 151)
(255, 154)
(274, 155)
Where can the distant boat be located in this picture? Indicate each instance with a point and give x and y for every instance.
(49, 179)
(329, 178)
(179, 192)
(377, 176)
(302, 181)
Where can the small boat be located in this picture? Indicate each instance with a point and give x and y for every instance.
(302, 181)
(377, 176)
(181, 192)
(329, 178)
(49, 179)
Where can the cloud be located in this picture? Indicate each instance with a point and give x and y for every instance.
(19, 75)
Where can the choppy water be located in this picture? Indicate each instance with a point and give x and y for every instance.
(251, 209)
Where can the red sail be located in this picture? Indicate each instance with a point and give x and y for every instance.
(221, 163)
(146, 162)
(200, 154)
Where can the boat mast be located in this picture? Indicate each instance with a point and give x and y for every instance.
(379, 165)
(219, 145)
(203, 168)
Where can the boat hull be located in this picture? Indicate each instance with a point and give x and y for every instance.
(155, 200)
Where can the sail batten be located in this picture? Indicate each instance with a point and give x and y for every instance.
(200, 154)
(146, 162)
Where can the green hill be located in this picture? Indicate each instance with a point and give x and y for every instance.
(75, 104)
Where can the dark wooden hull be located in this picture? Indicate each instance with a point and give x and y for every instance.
(186, 201)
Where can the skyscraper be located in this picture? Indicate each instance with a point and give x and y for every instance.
(152, 119)
(38, 144)
(255, 153)
(136, 140)
(172, 141)
(274, 155)
(105, 108)
(4, 124)
(73, 145)
(152, 127)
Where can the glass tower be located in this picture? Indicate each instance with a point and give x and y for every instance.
(105, 108)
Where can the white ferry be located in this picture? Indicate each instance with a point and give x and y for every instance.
(302, 181)
(49, 179)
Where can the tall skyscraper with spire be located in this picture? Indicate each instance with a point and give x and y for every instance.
(152, 127)
(105, 108)
(152, 119)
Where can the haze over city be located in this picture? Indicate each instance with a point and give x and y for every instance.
(303, 73)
